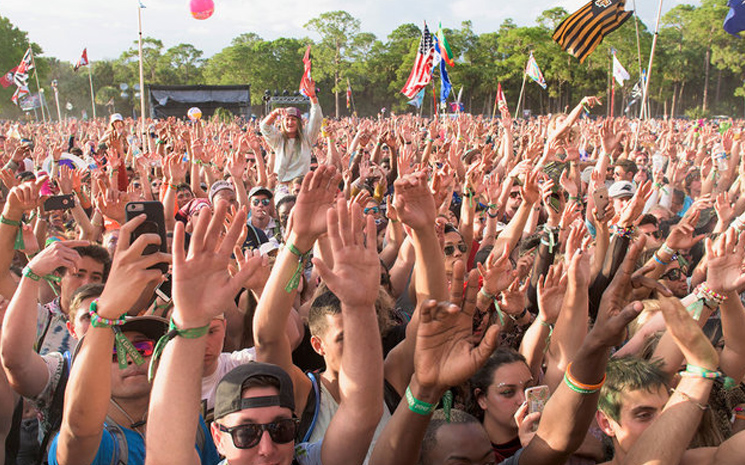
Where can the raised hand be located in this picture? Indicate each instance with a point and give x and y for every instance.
(131, 271)
(24, 198)
(444, 356)
(202, 286)
(414, 201)
(550, 292)
(354, 276)
(613, 314)
(317, 193)
(56, 255)
(498, 272)
(687, 334)
(635, 206)
(258, 274)
(724, 272)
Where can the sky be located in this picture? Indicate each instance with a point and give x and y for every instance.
(108, 27)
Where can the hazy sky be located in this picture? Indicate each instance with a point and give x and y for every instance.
(108, 27)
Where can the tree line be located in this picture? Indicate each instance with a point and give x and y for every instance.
(698, 68)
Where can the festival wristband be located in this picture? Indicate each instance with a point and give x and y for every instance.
(173, 331)
(19, 244)
(295, 279)
(579, 387)
(418, 406)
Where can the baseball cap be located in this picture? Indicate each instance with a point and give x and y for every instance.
(116, 117)
(219, 186)
(260, 190)
(292, 111)
(151, 326)
(620, 189)
(229, 392)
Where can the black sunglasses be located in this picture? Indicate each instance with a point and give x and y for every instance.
(264, 202)
(673, 275)
(249, 435)
(450, 249)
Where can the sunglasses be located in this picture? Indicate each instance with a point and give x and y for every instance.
(145, 348)
(248, 435)
(264, 202)
(515, 194)
(371, 210)
(673, 275)
(450, 249)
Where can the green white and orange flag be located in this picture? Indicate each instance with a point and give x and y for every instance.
(445, 51)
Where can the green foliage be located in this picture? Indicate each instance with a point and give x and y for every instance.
(691, 46)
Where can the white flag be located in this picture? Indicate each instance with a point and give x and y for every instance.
(619, 72)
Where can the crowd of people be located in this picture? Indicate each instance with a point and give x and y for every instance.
(390, 290)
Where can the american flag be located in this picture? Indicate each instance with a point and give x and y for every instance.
(421, 74)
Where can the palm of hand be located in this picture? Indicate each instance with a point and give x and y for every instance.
(724, 272)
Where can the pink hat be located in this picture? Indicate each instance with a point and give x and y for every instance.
(292, 111)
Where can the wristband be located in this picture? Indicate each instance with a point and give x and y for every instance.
(658, 260)
(173, 331)
(123, 345)
(579, 387)
(29, 273)
(666, 248)
(693, 371)
(294, 281)
(19, 244)
(518, 317)
(418, 406)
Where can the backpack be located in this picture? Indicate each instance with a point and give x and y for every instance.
(313, 405)
(121, 448)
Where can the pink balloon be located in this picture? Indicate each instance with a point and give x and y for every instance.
(201, 9)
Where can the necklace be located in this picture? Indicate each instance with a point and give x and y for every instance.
(133, 424)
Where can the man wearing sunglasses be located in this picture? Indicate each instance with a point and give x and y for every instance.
(255, 404)
(261, 209)
(675, 279)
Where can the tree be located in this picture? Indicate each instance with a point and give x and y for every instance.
(337, 30)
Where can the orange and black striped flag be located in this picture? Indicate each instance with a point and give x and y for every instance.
(584, 29)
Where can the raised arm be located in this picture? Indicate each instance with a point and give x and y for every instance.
(354, 279)
(21, 199)
(25, 369)
(88, 392)
(202, 287)
(444, 357)
(308, 222)
(569, 413)
(416, 208)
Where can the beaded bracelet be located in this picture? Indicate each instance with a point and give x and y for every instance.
(294, 281)
(123, 345)
(579, 387)
(624, 232)
(705, 292)
(693, 371)
(418, 406)
(173, 331)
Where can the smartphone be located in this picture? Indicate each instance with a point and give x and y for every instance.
(154, 224)
(600, 197)
(536, 397)
(554, 202)
(164, 289)
(59, 202)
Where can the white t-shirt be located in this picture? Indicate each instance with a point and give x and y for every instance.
(225, 362)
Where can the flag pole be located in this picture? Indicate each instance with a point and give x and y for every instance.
(645, 94)
(90, 80)
(520, 99)
(494, 110)
(38, 87)
(638, 44)
(142, 76)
